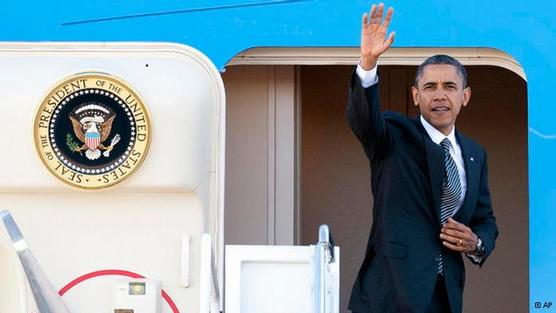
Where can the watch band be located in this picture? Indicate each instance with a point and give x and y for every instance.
(480, 248)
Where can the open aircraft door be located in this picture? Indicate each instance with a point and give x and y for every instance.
(113, 169)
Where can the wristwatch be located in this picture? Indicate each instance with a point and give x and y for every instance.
(480, 248)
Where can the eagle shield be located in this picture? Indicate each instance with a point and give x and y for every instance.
(92, 124)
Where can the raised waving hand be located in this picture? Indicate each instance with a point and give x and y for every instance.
(373, 35)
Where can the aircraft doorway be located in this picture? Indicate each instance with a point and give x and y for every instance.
(292, 163)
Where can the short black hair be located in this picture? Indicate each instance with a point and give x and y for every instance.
(442, 59)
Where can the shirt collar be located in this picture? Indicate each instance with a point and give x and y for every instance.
(436, 136)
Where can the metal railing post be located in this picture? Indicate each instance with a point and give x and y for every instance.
(324, 255)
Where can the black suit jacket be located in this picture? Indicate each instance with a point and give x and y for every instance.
(399, 271)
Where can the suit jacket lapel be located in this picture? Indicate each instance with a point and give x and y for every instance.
(472, 172)
(435, 164)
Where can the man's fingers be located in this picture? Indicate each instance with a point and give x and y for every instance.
(456, 244)
(364, 20)
(390, 39)
(379, 13)
(453, 224)
(388, 17)
(372, 14)
(458, 241)
(451, 239)
(453, 247)
(454, 233)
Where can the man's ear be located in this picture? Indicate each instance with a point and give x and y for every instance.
(415, 93)
(466, 95)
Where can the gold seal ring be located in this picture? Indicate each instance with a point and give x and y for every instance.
(92, 130)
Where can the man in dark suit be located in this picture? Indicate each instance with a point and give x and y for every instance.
(431, 198)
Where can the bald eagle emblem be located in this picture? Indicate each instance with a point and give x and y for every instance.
(92, 125)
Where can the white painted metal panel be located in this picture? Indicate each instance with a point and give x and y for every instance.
(269, 279)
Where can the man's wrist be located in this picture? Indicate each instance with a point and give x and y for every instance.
(368, 63)
(368, 78)
(479, 248)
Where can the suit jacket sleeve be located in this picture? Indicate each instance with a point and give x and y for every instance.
(483, 222)
(366, 119)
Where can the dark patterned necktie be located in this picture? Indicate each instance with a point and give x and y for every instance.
(451, 191)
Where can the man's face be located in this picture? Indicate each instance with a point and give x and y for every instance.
(440, 95)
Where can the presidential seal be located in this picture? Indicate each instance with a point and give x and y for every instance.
(92, 130)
